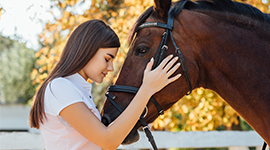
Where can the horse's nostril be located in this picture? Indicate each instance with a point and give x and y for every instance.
(106, 120)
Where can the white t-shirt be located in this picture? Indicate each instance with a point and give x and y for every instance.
(57, 134)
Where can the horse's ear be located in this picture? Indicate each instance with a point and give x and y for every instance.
(162, 7)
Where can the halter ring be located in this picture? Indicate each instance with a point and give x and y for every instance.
(146, 111)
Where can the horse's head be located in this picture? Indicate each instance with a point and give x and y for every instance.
(216, 38)
(146, 42)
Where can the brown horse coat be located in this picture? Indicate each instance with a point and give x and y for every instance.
(226, 48)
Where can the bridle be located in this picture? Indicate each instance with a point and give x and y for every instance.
(160, 55)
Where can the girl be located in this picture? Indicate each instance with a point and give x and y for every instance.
(63, 108)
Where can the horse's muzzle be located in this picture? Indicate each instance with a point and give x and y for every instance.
(106, 120)
(132, 137)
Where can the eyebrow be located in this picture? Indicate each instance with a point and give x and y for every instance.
(110, 55)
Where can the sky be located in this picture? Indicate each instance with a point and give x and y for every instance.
(23, 18)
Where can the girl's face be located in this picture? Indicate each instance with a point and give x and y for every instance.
(98, 67)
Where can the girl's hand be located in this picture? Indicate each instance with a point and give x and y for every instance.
(158, 78)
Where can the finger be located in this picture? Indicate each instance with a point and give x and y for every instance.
(170, 64)
(149, 65)
(165, 61)
(174, 78)
(170, 72)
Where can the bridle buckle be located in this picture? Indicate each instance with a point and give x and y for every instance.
(161, 112)
(146, 127)
(165, 46)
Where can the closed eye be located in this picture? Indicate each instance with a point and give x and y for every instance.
(110, 57)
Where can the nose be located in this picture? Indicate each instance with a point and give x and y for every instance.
(106, 120)
(110, 67)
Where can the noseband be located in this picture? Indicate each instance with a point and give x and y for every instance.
(160, 55)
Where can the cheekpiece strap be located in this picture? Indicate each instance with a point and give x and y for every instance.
(128, 89)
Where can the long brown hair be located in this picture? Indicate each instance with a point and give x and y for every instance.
(81, 46)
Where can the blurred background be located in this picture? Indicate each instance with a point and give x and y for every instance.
(33, 34)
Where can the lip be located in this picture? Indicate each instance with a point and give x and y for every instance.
(104, 74)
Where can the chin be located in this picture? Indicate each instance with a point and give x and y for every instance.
(132, 137)
(97, 81)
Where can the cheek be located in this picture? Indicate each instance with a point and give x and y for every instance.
(88, 69)
(95, 68)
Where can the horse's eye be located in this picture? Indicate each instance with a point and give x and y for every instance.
(141, 50)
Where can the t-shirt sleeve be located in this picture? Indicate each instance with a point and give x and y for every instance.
(59, 94)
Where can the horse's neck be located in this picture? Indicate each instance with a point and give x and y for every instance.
(245, 85)
(232, 61)
(238, 69)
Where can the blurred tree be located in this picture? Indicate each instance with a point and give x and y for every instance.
(16, 64)
(203, 110)
(67, 18)
(119, 14)
(5, 43)
(263, 5)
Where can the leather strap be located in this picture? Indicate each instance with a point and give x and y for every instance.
(170, 23)
(129, 89)
(154, 24)
(111, 97)
(162, 49)
(148, 133)
(264, 146)
(123, 88)
(184, 70)
(158, 58)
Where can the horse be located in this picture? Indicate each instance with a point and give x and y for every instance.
(225, 47)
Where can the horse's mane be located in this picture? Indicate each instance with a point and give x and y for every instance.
(214, 5)
(224, 6)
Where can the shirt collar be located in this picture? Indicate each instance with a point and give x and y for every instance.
(79, 81)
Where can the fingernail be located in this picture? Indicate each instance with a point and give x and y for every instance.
(152, 59)
(178, 64)
(171, 56)
(175, 58)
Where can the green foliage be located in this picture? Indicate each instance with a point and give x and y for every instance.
(244, 125)
(5, 43)
(202, 110)
(15, 67)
